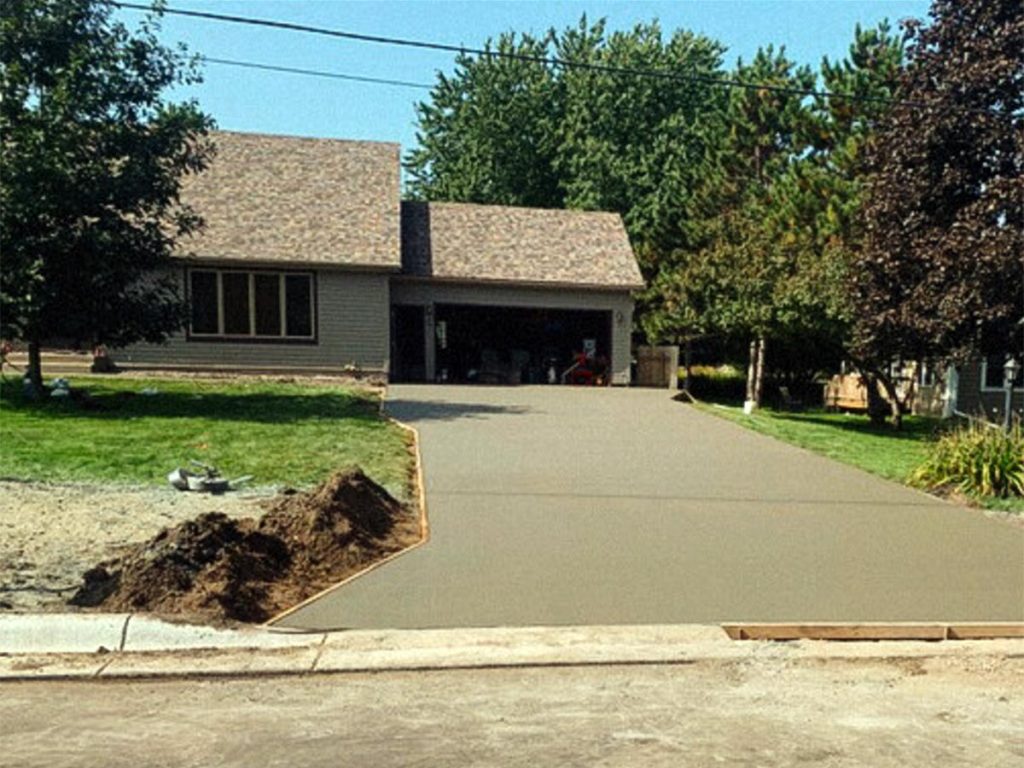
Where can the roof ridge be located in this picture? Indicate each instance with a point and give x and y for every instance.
(505, 207)
(293, 137)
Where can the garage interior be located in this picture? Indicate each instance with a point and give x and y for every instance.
(502, 345)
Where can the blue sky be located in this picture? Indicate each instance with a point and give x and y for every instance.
(296, 105)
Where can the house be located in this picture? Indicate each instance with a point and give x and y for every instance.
(310, 263)
(978, 388)
(974, 389)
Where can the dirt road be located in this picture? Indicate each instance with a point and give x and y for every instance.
(757, 711)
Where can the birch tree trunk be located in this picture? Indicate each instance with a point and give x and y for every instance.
(751, 366)
(759, 373)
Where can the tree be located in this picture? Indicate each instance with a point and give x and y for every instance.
(781, 195)
(814, 218)
(488, 132)
(940, 273)
(522, 132)
(93, 160)
(733, 276)
(630, 143)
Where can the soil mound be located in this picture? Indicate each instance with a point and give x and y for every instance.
(217, 568)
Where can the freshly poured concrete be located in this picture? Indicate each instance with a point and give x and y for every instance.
(557, 506)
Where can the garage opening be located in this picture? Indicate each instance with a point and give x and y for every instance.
(514, 345)
(408, 350)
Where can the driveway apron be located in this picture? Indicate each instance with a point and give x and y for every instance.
(557, 506)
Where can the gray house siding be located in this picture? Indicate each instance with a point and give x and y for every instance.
(619, 303)
(352, 310)
(974, 399)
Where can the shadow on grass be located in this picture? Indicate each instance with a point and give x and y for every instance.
(107, 404)
(914, 428)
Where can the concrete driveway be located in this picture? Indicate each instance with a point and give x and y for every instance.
(556, 506)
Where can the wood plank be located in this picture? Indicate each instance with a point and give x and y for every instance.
(836, 631)
(987, 631)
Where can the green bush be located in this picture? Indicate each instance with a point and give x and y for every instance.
(976, 459)
(721, 384)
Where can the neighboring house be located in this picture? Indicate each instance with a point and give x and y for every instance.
(310, 263)
(978, 389)
(975, 389)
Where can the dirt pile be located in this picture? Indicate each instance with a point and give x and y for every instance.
(216, 568)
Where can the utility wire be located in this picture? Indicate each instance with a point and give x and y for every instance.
(313, 72)
(290, 70)
(548, 61)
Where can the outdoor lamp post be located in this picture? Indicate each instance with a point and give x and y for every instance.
(1010, 370)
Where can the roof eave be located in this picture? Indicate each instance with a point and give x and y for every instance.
(508, 282)
(285, 264)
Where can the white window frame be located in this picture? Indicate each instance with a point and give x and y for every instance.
(282, 276)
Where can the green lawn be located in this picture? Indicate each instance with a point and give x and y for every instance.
(851, 439)
(281, 434)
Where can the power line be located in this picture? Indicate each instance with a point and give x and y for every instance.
(313, 72)
(61, 38)
(547, 61)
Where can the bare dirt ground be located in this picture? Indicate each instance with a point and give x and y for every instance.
(233, 558)
(951, 711)
(50, 534)
(216, 568)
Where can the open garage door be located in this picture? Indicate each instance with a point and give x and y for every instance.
(513, 345)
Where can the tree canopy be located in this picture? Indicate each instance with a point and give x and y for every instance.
(742, 203)
(521, 132)
(93, 158)
(940, 275)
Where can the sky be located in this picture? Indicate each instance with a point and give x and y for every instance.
(269, 102)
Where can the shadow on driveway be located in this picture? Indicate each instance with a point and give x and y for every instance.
(440, 410)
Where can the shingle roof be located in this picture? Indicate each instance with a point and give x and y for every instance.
(461, 241)
(288, 199)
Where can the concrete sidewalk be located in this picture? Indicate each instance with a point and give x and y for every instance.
(76, 646)
(563, 506)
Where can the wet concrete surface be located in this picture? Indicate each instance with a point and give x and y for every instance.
(555, 506)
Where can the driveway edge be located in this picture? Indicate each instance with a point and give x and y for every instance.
(421, 502)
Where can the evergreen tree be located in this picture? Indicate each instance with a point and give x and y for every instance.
(488, 132)
(521, 132)
(734, 276)
(775, 262)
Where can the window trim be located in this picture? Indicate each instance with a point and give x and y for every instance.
(221, 338)
(983, 375)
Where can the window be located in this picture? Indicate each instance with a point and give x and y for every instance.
(298, 300)
(203, 297)
(251, 305)
(235, 303)
(267, 297)
(992, 373)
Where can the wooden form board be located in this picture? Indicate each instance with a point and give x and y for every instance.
(871, 631)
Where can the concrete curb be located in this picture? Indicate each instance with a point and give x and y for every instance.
(44, 633)
(112, 647)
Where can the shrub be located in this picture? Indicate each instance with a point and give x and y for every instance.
(976, 459)
(722, 384)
